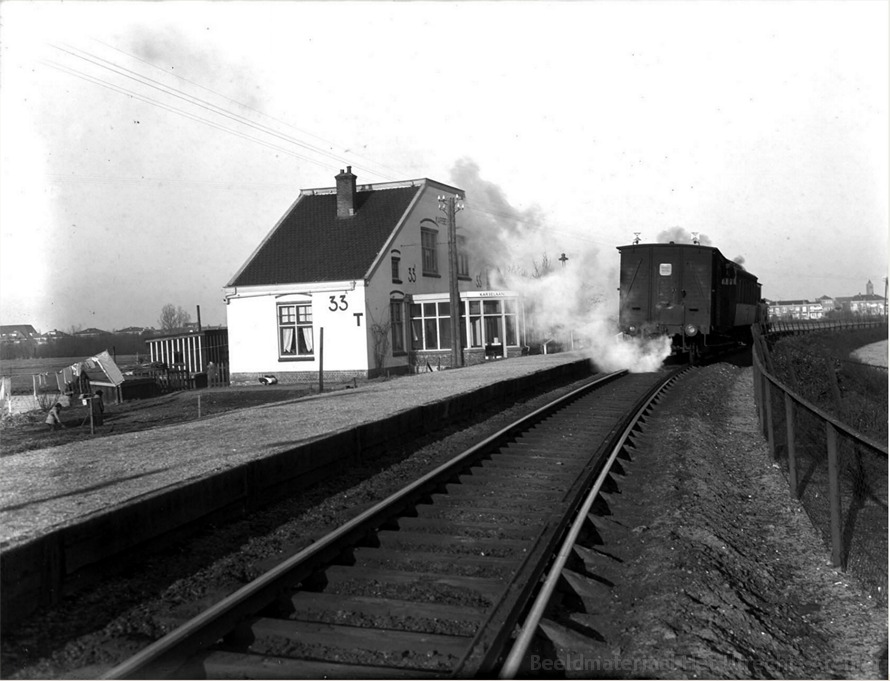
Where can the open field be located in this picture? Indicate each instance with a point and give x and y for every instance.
(21, 370)
(27, 431)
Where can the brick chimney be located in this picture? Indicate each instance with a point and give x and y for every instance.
(346, 193)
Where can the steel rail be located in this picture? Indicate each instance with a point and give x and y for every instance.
(170, 651)
(529, 628)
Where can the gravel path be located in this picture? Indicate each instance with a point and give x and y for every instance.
(46, 488)
(875, 353)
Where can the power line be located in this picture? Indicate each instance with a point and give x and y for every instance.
(215, 109)
(196, 101)
(394, 173)
(148, 100)
(120, 179)
(516, 218)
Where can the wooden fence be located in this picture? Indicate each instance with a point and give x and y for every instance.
(838, 474)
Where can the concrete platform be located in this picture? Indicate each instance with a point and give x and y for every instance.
(66, 510)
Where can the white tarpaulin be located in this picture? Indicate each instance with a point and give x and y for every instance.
(102, 361)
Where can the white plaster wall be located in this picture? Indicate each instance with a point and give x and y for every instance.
(345, 334)
(253, 331)
(253, 344)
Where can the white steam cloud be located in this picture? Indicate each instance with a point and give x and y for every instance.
(567, 300)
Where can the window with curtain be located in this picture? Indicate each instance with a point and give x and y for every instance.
(295, 337)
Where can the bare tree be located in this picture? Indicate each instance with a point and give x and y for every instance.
(380, 333)
(173, 318)
(545, 268)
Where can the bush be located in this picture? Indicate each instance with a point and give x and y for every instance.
(818, 367)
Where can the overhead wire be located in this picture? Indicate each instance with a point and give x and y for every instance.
(394, 173)
(120, 179)
(186, 114)
(237, 118)
(499, 214)
(198, 102)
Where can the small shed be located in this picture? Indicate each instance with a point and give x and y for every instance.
(93, 373)
(200, 352)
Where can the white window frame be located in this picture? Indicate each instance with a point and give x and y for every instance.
(296, 336)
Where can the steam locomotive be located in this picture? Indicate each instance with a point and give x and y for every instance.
(689, 292)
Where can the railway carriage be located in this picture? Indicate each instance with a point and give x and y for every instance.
(689, 292)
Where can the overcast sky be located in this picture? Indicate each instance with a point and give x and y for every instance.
(147, 148)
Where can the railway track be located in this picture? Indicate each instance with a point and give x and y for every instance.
(435, 580)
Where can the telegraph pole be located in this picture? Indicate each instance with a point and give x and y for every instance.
(450, 206)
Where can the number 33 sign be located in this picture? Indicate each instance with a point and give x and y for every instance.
(338, 305)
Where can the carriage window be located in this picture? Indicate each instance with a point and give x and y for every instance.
(664, 269)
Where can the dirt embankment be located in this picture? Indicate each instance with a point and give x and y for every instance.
(724, 576)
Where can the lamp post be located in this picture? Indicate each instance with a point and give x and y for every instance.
(450, 205)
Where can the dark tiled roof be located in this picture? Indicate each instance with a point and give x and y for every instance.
(25, 330)
(313, 244)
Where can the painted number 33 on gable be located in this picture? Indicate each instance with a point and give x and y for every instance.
(341, 305)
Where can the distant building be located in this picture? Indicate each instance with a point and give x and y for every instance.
(827, 303)
(51, 336)
(795, 309)
(868, 305)
(134, 330)
(18, 333)
(90, 333)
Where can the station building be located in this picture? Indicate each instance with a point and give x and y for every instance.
(353, 281)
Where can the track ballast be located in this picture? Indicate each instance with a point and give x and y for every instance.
(434, 580)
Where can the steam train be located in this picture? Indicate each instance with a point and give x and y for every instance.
(689, 292)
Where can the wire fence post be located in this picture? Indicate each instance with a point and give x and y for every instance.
(834, 493)
(792, 452)
(770, 426)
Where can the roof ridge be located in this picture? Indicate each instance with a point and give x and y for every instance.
(378, 186)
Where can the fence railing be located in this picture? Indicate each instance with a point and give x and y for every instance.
(808, 326)
(838, 474)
